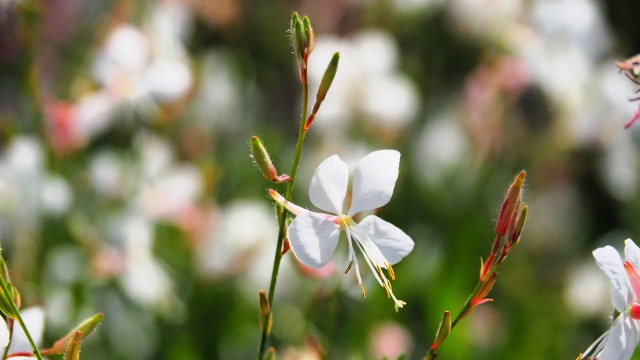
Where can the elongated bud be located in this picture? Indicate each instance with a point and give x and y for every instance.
(5, 302)
(516, 228)
(300, 40)
(325, 84)
(311, 38)
(509, 204)
(265, 312)
(443, 330)
(73, 350)
(272, 353)
(264, 304)
(85, 328)
(5, 305)
(263, 161)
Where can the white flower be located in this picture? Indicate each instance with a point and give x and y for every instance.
(4, 333)
(619, 342)
(314, 236)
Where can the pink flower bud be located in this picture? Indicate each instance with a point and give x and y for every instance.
(509, 205)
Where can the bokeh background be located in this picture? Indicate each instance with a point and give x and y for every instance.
(126, 184)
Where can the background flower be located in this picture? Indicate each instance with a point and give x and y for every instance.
(136, 115)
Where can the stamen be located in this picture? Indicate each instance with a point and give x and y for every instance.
(364, 293)
(386, 288)
(380, 271)
(390, 270)
(389, 285)
(348, 267)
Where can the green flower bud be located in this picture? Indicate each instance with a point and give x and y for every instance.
(443, 330)
(84, 328)
(263, 161)
(325, 84)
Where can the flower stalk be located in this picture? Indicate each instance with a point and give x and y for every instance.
(511, 221)
(303, 42)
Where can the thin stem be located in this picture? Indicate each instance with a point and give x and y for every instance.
(14, 309)
(481, 284)
(282, 212)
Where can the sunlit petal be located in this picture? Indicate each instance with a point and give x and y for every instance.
(622, 337)
(374, 178)
(313, 239)
(393, 243)
(329, 185)
(610, 263)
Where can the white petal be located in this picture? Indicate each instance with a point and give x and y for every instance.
(313, 239)
(34, 319)
(632, 326)
(4, 333)
(632, 253)
(610, 263)
(374, 179)
(167, 79)
(329, 185)
(622, 340)
(393, 243)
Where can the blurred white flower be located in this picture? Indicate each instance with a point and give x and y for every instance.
(166, 190)
(491, 20)
(34, 320)
(587, 290)
(367, 82)
(219, 100)
(619, 167)
(144, 279)
(579, 22)
(172, 194)
(107, 174)
(56, 195)
(27, 189)
(443, 147)
(136, 71)
(231, 245)
(128, 67)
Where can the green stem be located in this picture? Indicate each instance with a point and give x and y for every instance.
(14, 309)
(481, 284)
(282, 212)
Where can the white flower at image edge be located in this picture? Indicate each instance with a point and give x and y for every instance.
(314, 236)
(4, 333)
(620, 341)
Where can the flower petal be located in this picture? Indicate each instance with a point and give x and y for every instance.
(313, 239)
(329, 185)
(632, 253)
(393, 243)
(622, 340)
(4, 333)
(374, 178)
(610, 263)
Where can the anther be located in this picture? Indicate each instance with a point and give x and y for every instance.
(349, 267)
